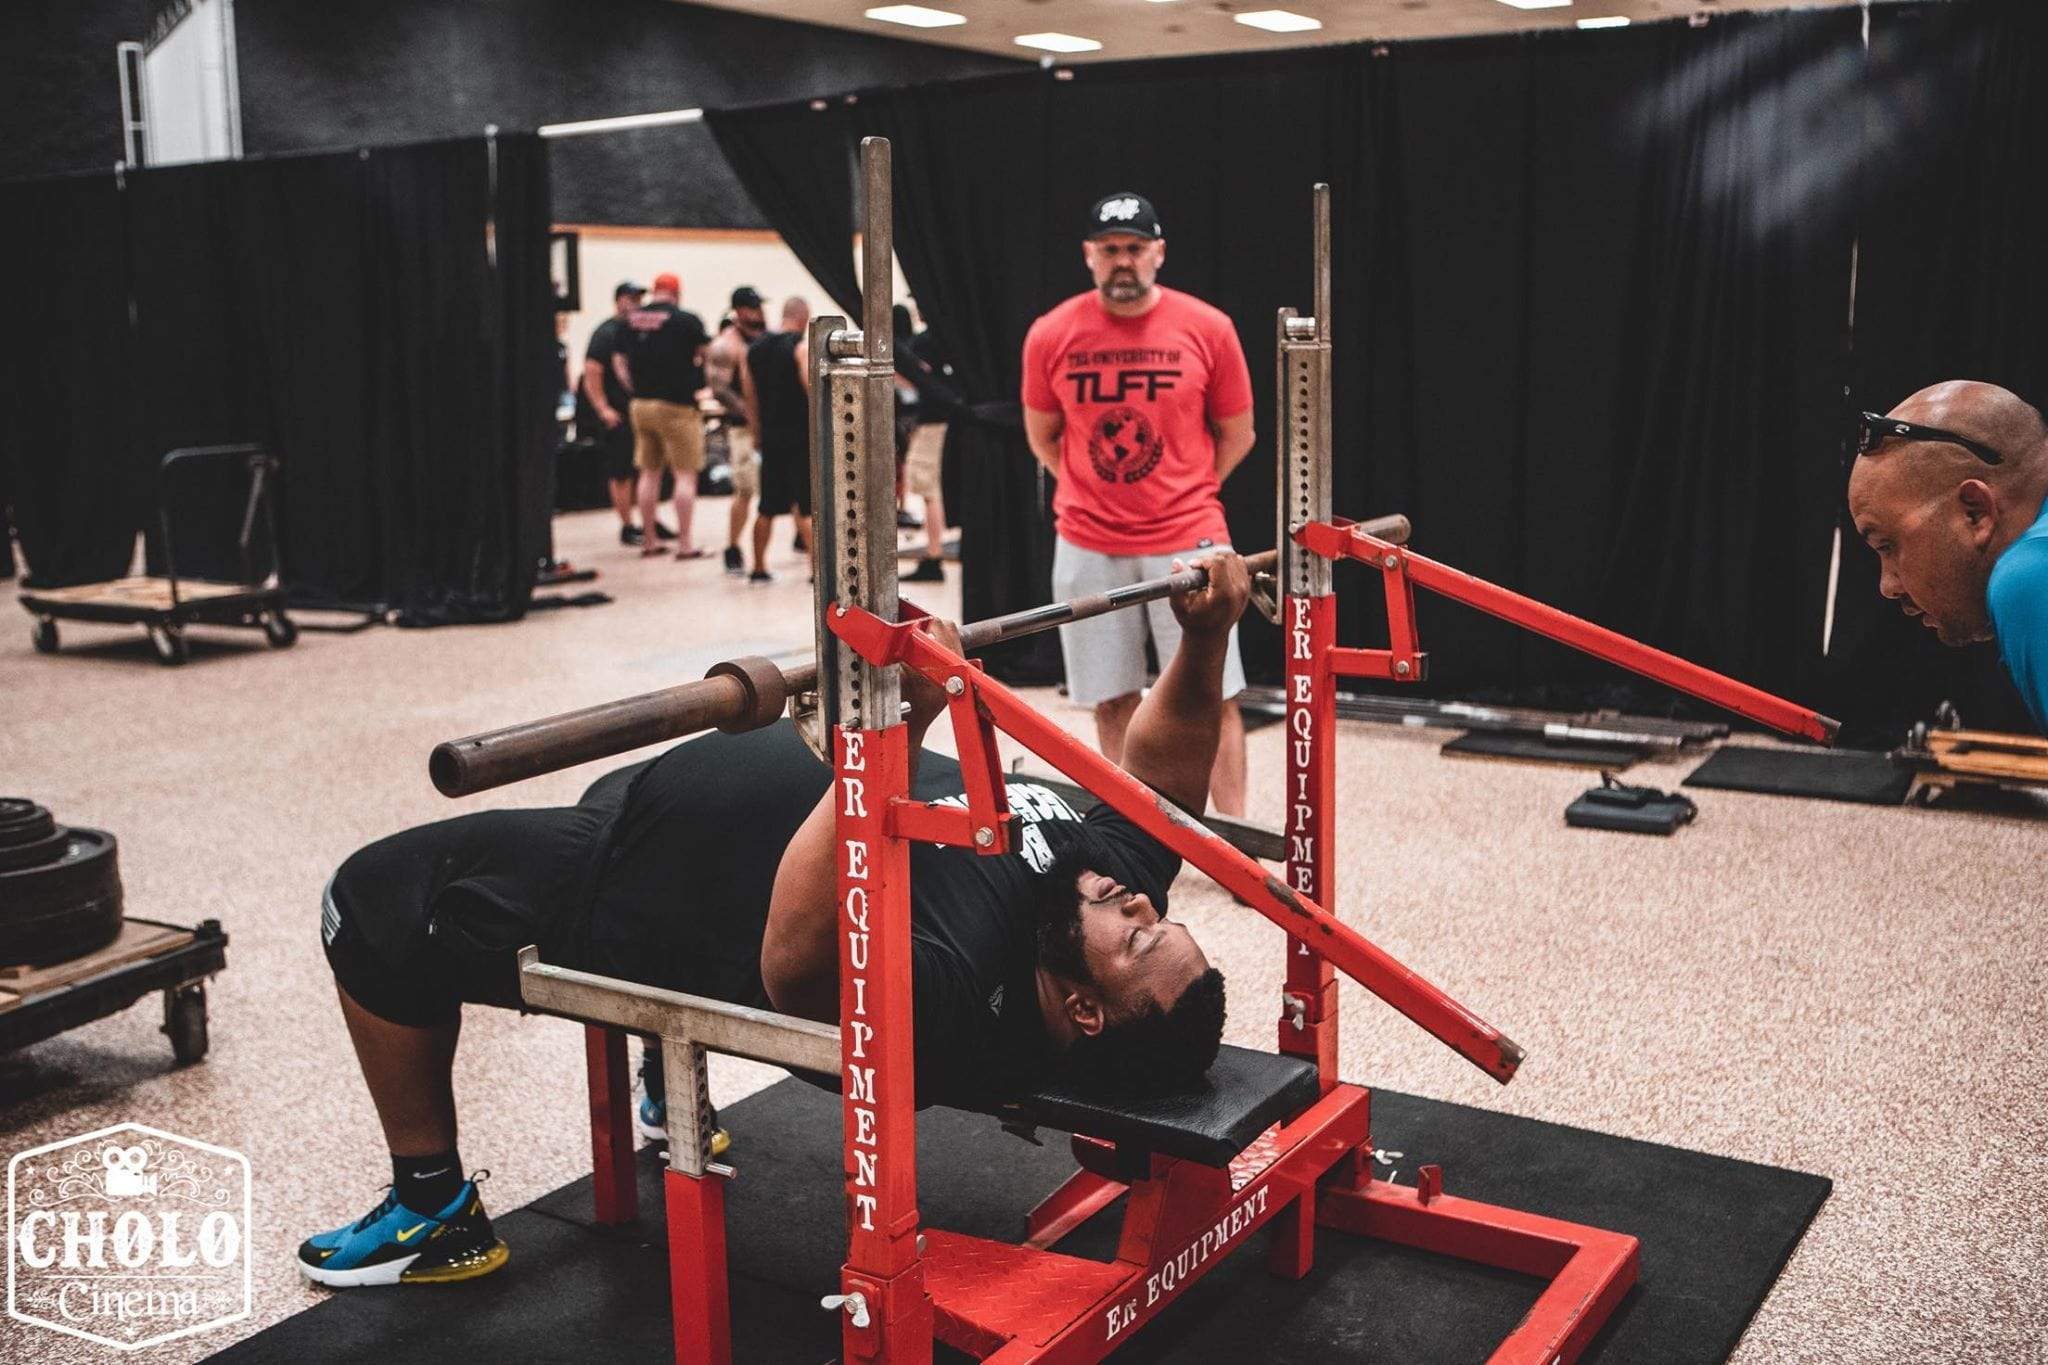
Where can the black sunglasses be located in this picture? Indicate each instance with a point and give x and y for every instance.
(1876, 429)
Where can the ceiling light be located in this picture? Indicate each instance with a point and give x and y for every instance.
(916, 16)
(1283, 21)
(1537, 4)
(1611, 21)
(1058, 42)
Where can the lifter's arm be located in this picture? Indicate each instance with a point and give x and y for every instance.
(1171, 743)
(800, 950)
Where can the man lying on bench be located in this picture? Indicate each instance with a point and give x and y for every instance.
(709, 870)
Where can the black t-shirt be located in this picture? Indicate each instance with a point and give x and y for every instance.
(665, 352)
(605, 342)
(681, 898)
(779, 392)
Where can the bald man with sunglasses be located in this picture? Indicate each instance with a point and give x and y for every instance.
(1948, 489)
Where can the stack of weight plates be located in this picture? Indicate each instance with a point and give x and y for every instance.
(60, 890)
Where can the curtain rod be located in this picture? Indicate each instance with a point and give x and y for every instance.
(622, 123)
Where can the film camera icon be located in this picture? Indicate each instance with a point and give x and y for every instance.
(124, 1168)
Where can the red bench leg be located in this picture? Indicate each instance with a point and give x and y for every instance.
(611, 1125)
(696, 1268)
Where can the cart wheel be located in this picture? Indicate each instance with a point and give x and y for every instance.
(169, 643)
(279, 628)
(185, 1021)
(45, 635)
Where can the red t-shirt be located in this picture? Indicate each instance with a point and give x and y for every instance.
(1137, 460)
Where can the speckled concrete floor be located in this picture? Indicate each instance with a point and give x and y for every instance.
(1847, 990)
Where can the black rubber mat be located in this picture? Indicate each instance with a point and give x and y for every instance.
(1715, 1233)
(1866, 776)
(1541, 749)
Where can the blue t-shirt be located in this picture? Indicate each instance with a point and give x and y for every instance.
(2018, 598)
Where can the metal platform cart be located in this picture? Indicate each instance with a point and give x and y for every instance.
(42, 1002)
(165, 606)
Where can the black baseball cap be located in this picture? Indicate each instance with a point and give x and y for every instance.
(628, 287)
(746, 296)
(1123, 212)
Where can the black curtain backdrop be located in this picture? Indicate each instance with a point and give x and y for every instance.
(794, 163)
(1952, 284)
(1726, 404)
(381, 320)
(67, 366)
(1592, 304)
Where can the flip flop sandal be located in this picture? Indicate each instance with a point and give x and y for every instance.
(691, 554)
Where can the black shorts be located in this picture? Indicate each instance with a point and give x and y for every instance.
(785, 481)
(418, 923)
(617, 444)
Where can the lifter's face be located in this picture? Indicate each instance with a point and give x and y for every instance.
(1932, 544)
(1124, 265)
(1136, 956)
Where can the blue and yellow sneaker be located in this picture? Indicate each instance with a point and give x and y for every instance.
(650, 1119)
(391, 1244)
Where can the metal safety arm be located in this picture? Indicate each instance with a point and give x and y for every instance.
(1400, 563)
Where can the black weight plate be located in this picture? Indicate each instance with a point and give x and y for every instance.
(35, 852)
(22, 820)
(61, 935)
(87, 872)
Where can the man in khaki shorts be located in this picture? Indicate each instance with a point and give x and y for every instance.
(662, 365)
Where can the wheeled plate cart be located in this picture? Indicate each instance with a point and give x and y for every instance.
(37, 1003)
(164, 606)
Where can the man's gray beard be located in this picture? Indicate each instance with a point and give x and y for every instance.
(1124, 291)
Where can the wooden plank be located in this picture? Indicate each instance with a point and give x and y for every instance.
(2013, 767)
(137, 940)
(1941, 741)
(151, 593)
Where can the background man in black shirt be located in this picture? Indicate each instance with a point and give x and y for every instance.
(776, 385)
(710, 870)
(662, 365)
(607, 401)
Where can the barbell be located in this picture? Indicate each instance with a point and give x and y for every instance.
(746, 694)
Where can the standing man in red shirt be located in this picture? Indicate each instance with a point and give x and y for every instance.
(1137, 400)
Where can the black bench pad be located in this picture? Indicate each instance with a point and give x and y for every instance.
(1246, 1093)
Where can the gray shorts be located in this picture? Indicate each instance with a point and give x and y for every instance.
(1106, 654)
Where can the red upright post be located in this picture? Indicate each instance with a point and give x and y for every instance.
(893, 1319)
(1308, 622)
(612, 1181)
(1308, 1027)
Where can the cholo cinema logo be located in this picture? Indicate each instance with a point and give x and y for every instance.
(129, 1236)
